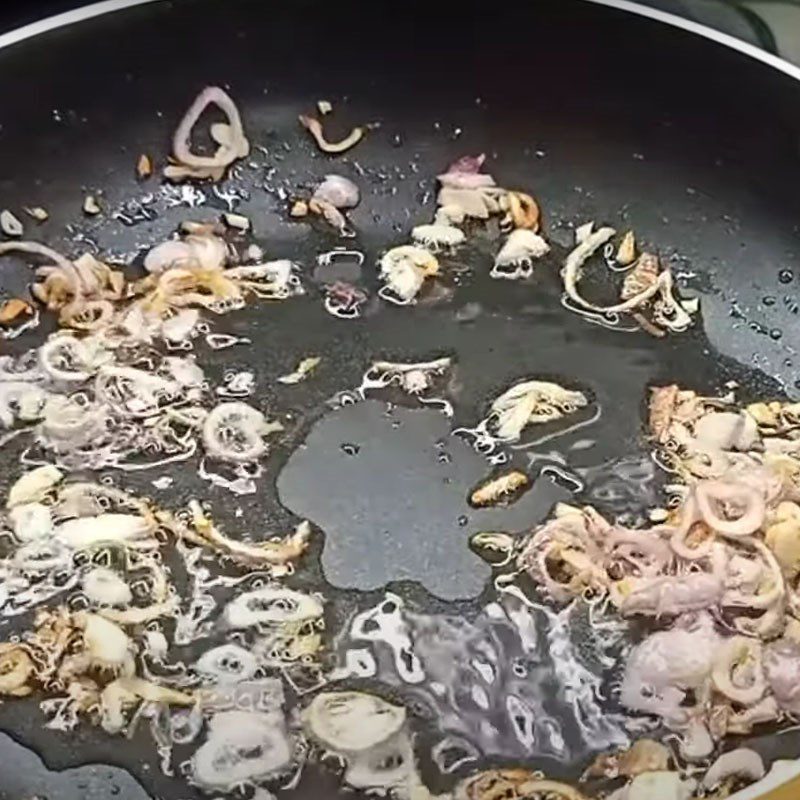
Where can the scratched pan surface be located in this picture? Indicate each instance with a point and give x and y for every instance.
(603, 115)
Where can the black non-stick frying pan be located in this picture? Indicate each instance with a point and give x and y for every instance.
(602, 112)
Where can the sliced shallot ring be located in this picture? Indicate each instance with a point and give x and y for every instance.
(678, 539)
(749, 522)
(87, 315)
(250, 425)
(42, 250)
(724, 663)
(314, 127)
(743, 762)
(236, 147)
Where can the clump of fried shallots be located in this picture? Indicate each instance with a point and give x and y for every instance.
(190, 272)
(83, 291)
(719, 573)
(467, 193)
(527, 403)
(647, 294)
(331, 198)
(87, 559)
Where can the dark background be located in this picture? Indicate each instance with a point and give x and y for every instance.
(14, 13)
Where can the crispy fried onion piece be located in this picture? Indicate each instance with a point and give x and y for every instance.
(467, 192)
(83, 291)
(403, 271)
(644, 755)
(242, 747)
(69, 360)
(414, 378)
(205, 251)
(506, 487)
(203, 532)
(17, 670)
(271, 605)
(768, 587)
(670, 595)
(516, 257)
(235, 432)
(303, 370)
(738, 673)
(181, 287)
(646, 283)
(314, 127)
(330, 197)
(217, 290)
(522, 212)
(669, 404)
(226, 663)
(742, 764)
(563, 559)
(33, 485)
(230, 138)
(651, 785)
(465, 173)
(513, 784)
(273, 280)
(782, 536)
(731, 509)
(350, 722)
(369, 735)
(122, 693)
(343, 300)
(439, 235)
(532, 402)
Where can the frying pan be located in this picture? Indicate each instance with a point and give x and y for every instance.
(606, 110)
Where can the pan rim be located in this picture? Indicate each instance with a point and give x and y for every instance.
(104, 7)
(782, 771)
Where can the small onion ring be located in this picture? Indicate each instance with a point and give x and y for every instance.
(238, 147)
(246, 420)
(708, 492)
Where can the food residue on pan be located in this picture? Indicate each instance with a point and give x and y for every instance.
(124, 612)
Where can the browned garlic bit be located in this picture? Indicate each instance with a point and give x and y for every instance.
(237, 221)
(144, 166)
(91, 206)
(299, 209)
(38, 213)
(626, 252)
(11, 310)
(522, 211)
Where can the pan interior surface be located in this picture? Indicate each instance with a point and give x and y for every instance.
(601, 116)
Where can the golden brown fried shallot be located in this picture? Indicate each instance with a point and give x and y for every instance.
(501, 489)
